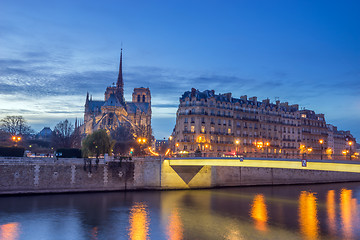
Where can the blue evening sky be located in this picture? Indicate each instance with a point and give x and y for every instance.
(302, 52)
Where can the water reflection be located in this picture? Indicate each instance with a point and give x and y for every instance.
(139, 222)
(331, 211)
(309, 223)
(259, 212)
(279, 212)
(175, 227)
(349, 214)
(94, 233)
(10, 231)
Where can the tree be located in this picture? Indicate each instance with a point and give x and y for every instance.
(97, 143)
(62, 134)
(124, 139)
(15, 125)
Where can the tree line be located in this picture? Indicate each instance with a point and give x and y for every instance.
(66, 135)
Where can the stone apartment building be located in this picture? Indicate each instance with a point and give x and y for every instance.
(219, 124)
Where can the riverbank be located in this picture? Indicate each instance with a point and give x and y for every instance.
(47, 175)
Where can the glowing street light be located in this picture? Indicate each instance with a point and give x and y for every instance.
(237, 142)
(309, 150)
(321, 141)
(350, 144)
(267, 145)
(16, 139)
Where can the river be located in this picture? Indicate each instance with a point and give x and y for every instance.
(322, 211)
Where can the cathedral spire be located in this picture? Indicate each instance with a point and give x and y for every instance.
(120, 82)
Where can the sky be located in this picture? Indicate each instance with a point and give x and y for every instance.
(301, 51)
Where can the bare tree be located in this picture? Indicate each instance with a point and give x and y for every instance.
(62, 134)
(15, 125)
(123, 136)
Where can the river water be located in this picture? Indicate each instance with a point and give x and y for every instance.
(323, 211)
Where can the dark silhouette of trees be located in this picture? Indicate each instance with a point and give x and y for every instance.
(62, 134)
(124, 139)
(15, 125)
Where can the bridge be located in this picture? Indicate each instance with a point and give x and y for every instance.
(301, 164)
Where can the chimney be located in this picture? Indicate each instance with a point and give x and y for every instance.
(254, 99)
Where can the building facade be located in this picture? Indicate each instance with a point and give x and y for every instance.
(114, 111)
(218, 124)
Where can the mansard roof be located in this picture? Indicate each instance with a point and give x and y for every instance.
(227, 98)
(132, 107)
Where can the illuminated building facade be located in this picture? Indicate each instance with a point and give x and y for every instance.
(219, 124)
(115, 111)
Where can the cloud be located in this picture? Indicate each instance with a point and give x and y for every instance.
(44, 87)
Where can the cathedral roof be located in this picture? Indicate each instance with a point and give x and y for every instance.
(95, 105)
(133, 107)
(112, 101)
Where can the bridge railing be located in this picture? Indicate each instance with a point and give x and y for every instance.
(264, 155)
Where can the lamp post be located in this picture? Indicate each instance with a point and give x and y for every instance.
(350, 144)
(321, 141)
(141, 141)
(237, 142)
(267, 144)
(15, 139)
(309, 150)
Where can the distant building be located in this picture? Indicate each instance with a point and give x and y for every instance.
(219, 124)
(45, 134)
(115, 111)
(159, 144)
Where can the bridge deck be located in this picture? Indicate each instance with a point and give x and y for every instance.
(321, 165)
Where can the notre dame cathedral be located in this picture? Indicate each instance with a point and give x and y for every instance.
(115, 111)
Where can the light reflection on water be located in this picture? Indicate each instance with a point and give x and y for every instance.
(282, 212)
(175, 226)
(139, 222)
(259, 212)
(10, 231)
(308, 220)
(331, 211)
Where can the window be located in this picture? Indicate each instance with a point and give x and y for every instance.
(143, 98)
(185, 120)
(203, 129)
(138, 98)
(212, 129)
(192, 128)
(229, 130)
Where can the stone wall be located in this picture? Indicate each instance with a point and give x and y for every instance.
(65, 175)
(26, 175)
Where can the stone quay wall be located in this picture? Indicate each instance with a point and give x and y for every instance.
(46, 175)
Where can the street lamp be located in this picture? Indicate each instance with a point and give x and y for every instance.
(267, 144)
(237, 142)
(16, 139)
(141, 141)
(321, 141)
(350, 144)
(309, 150)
